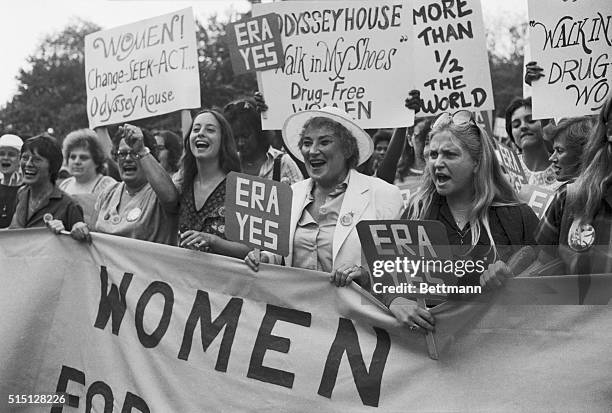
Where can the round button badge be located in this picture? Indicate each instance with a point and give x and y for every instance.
(134, 214)
(581, 236)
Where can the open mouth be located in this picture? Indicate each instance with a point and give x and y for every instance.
(202, 144)
(316, 163)
(29, 173)
(442, 178)
(6, 164)
(129, 168)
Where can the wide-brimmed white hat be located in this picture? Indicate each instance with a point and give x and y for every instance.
(11, 141)
(295, 124)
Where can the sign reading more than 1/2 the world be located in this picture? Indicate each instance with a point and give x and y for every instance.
(143, 69)
(354, 55)
(453, 67)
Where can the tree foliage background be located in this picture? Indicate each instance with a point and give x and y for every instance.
(51, 91)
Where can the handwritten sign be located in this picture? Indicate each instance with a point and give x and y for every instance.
(258, 212)
(510, 160)
(142, 69)
(452, 72)
(409, 187)
(254, 44)
(537, 197)
(354, 55)
(572, 42)
(407, 257)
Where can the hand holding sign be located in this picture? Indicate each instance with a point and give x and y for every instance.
(257, 213)
(410, 314)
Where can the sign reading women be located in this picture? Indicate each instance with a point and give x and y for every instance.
(354, 55)
(572, 42)
(142, 69)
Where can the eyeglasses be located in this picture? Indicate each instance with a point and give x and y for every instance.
(459, 118)
(124, 154)
(36, 160)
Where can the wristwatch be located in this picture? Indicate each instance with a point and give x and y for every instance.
(141, 155)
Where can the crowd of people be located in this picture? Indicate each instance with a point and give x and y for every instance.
(156, 187)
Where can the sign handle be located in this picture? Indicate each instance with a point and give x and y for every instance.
(105, 140)
(264, 115)
(185, 121)
(432, 348)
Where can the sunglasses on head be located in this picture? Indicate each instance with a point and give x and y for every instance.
(459, 118)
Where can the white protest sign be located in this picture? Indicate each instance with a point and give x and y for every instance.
(572, 42)
(351, 54)
(142, 69)
(450, 56)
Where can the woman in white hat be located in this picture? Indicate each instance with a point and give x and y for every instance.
(10, 149)
(10, 176)
(327, 207)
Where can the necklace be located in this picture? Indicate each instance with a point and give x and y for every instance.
(463, 233)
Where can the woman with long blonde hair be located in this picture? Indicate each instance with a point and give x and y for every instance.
(465, 189)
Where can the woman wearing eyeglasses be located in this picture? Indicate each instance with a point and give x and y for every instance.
(144, 205)
(39, 201)
(210, 154)
(464, 188)
(577, 227)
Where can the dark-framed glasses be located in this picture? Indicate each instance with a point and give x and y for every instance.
(122, 155)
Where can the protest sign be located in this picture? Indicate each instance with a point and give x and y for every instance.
(450, 55)
(409, 187)
(254, 44)
(537, 197)
(258, 212)
(129, 325)
(351, 54)
(407, 258)
(142, 69)
(510, 160)
(572, 42)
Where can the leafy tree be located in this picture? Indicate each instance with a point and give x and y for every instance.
(51, 93)
(505, 48)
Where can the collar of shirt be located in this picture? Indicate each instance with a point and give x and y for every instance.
(268, 165)
(339, 189)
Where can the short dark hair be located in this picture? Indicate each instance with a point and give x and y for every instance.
(148, 140)
(47, 147)
(512, 107)
(577, 131)
(86, 139)
(244, 111)
(347, 140)
(381, 135)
